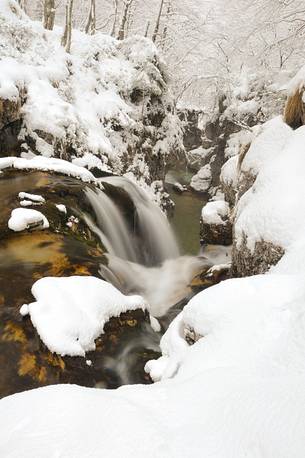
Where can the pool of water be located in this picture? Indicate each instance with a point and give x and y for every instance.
(186, 216)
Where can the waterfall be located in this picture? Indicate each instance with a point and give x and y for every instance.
(154, 226)
(147, 263)
(156, 241)
(115, 234)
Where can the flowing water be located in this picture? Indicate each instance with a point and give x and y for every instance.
(121, 236)
(145, 260)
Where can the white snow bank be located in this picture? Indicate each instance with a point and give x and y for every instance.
(215, 212)
(256, 324)
(22, 218)
(273, 209)
(238, 391)
(47, 164)
(70, 312)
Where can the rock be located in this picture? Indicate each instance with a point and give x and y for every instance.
(179, 188)
(246, 262)
(198, 158)
(215, 225)
(202, 180)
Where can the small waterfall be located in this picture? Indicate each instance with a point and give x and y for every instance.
(115, 234)
(154, 226)
(146, 263)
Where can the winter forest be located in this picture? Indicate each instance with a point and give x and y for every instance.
(152, 228)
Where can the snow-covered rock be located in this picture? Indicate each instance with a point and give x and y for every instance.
(202, 180)
(47, 164)
(70, 312)
(215, 225)
(22, 219)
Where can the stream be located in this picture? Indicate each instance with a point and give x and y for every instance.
(114, 232)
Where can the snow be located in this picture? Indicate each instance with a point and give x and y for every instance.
(297, 82)
(202, 180)
(238, 391)
(62, 208)
(70, 312)
(79, 104)
(32, 197)
(47, 164)
(215, 212)
(22, 219)
(229, 172)
(273, 209)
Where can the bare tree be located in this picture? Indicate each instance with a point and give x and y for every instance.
(67, 36)
(49, 14)
(22, 4)
(156, 31)
(115, 17)
(122, 30)
(147, 29)
(91, 21)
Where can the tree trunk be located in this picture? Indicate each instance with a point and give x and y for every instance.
(91, 21)
(67, 36)
(156, 31)
(49, 14)
(122, 30)
(115, 18)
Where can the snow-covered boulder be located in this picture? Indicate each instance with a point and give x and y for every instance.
(201, 182)
(23, 218)
(270, 214)
(198, 157)
(215, 225)
(70, 312)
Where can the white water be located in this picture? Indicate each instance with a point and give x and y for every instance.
(148, 264)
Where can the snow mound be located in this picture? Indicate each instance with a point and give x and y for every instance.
(238, 391)
(47, 164)
(70, 312)
(273, 209)
(32, 197)
(215, 212)
(22, 218)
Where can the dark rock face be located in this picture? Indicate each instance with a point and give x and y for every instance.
(264, 256)
(10, 125)
(192, 134)
(217, 234)
(62, 250)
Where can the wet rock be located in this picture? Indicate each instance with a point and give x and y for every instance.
(179, 188)
(211, 277)
(26, 363)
